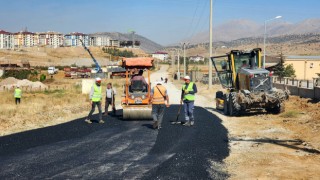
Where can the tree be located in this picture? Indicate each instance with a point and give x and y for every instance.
(279, 68)
(289, 71)
(284, 71)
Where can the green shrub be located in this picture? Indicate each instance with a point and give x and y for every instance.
(43, 77)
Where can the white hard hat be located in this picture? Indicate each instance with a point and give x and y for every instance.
(187, 77)
(158, 82)
(98, 79)
(18, 86)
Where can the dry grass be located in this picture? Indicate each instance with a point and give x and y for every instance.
(47, 108)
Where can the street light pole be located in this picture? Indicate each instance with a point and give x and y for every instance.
(265, 37)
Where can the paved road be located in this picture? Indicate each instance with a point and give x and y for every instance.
(117, 150)
(120, 149)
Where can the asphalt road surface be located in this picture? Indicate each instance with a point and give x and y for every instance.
(118, 150)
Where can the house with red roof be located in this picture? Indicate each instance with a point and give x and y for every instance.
(163, 56)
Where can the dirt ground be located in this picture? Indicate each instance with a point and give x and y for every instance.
(267, 146)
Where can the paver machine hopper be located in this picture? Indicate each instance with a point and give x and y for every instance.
(248, 85)
(136, 100)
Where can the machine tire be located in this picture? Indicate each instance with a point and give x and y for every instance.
(226, 105)
(219, 94)
(234, 107)
(279, 108)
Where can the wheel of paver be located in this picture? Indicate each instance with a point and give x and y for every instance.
(226, 105)
(234, 107)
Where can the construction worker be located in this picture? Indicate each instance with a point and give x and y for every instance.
(17, 94)
(110, 99)
(188, 96)
(159, 99)
(95, 100)
(139, 77)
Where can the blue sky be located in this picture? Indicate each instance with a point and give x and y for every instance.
(164, 21)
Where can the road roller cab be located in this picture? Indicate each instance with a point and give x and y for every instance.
(136, 100)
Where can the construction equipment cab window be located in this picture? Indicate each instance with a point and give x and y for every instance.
(138, 83)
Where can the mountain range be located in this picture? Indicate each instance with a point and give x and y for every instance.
(242, 28)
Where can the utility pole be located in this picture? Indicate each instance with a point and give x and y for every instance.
(178, 76)
(184, 58)
(210, 47)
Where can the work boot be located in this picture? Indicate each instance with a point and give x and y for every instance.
(88, 121)
(155, 124)
(187, 123)
(191, 123)
(101, 121)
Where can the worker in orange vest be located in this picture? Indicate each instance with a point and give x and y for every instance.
(160, 100)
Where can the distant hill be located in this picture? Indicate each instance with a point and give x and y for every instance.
(237, 29)
(147, 45)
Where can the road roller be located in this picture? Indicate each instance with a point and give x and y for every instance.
(136, 100)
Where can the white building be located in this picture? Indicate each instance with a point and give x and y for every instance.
(6, 40)
(51, 39)
(99, 40)
(73, 39)
(160, 55)
(196, 58)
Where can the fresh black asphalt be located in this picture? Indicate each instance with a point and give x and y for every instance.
(118, 150)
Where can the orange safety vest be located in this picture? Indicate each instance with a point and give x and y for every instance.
(157, 96)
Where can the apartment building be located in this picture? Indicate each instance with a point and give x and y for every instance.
(25, 39)
(6, 40)
(50, 39)
(99, 40)
(73, 39)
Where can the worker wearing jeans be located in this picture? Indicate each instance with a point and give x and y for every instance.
(95, 97)
(159, 99)
(17, 94)
(188, 96)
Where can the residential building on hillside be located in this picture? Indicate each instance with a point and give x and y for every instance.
(51, 39)
(6, 40)
(73, 39)
(163, 56)
(306, 67)
(25, 39)
(114, 43)
(196, 58)
(99, 40)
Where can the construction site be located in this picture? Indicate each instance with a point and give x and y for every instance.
(260, 139)
(239, 100)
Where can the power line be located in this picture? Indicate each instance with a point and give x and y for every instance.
(193, 17)
(200, 17)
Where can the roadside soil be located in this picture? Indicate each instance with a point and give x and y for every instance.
(268, 146)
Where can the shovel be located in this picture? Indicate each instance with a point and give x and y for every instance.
(177, 122)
